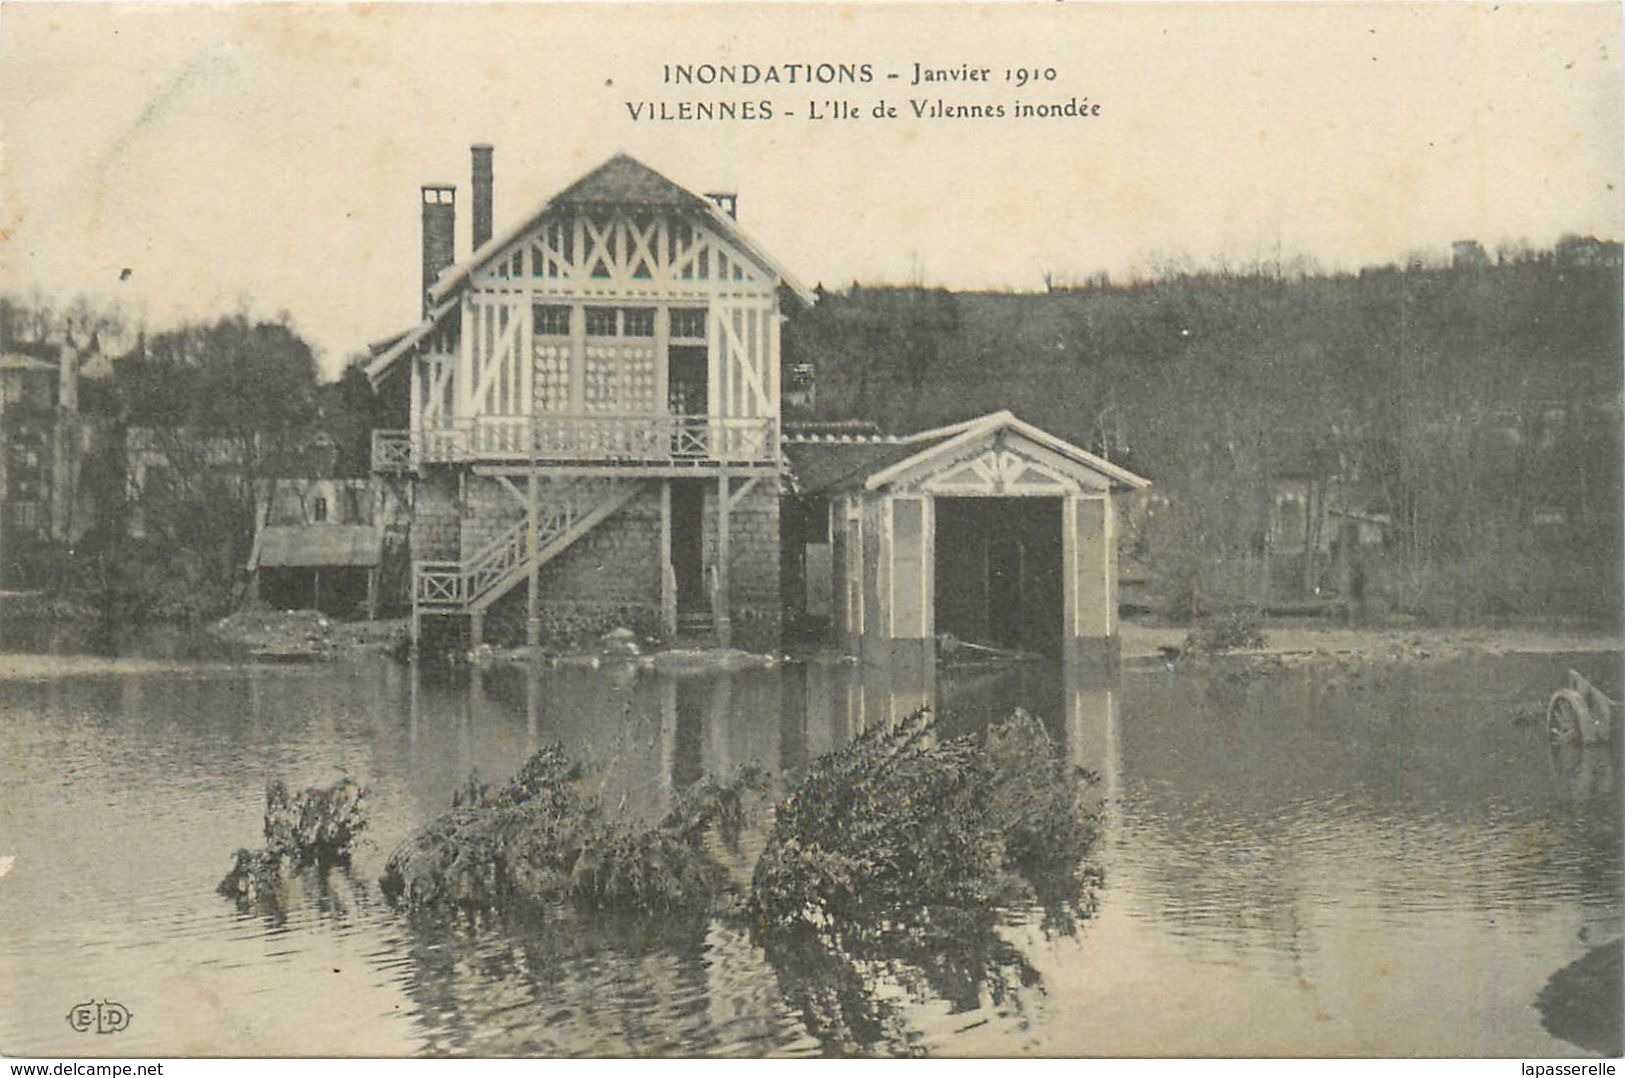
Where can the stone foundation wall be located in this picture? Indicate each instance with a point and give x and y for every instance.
(488, 511)
(435, 517)
(755, 605)
(610, 577)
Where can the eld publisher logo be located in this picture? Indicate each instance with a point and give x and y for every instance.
(103, 1017)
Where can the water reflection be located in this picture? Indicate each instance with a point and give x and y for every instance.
(646, 736)
(1313, 862)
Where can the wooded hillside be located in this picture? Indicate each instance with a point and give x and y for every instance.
(1477, 407)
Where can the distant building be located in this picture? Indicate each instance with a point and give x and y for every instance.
(43, 442)
(1588, 251)
(326, 544)
(1468, 254)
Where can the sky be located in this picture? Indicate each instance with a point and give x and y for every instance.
(268, 158)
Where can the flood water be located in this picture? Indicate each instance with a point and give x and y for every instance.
(1314, 862)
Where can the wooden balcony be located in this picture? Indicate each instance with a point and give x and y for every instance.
(643, 443)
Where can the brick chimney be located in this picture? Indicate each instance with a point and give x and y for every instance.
(439, 232)
(482, 193)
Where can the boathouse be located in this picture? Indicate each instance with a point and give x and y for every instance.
(593, 397)
(990, 532)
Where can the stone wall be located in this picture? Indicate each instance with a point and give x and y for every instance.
(755, 605)
(488, 511)
(435, 516)
(609, 577)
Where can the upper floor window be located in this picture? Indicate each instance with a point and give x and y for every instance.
(620, 321)
(550, 321)
(318, 511)
(688, 323)
(637, 321)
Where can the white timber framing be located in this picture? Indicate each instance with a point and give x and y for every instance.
(623, 258)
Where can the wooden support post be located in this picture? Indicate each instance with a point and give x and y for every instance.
(316, 598)
(372, 593)
(533, 593)
(721, 608)
(476, 630)
(668, 576)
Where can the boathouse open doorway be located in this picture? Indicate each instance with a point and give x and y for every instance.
(998, 571)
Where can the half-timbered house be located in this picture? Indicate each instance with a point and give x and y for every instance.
(594, 415)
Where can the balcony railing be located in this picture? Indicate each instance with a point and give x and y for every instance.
(582, 439)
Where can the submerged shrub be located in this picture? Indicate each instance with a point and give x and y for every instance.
(896, 860)
(317, 826)
(540, 839)
(902, 822)
(1227, 632)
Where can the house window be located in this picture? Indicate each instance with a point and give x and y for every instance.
(550, 320)
(620, 321)
(637, 321)
(688, 323)
(318, 510)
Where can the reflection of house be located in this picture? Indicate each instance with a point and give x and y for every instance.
(991, 530)
(322, 543)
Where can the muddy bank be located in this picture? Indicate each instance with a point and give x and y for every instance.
(1294, 644)
(1581, 1003)
(47, 667)
(622, 647)
(304, 635)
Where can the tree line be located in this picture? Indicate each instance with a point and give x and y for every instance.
(1475, 408)
(178, 428)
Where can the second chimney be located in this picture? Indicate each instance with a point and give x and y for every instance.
(439, 232)
(482, 194)
(727, 202)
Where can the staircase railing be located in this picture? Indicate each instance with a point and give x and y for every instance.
(453, 586)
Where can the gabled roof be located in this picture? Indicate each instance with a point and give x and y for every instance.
(623, 181)
(962, 435)
(831, 465)
(620, 181)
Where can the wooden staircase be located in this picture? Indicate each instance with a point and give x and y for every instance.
(471, 586)
(696, 627)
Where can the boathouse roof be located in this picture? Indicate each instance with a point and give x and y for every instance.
(834, 463)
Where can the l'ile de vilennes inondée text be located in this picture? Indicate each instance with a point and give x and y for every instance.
(817, 92)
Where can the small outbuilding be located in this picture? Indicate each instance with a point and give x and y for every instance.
(324, 544)
(991, 532)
